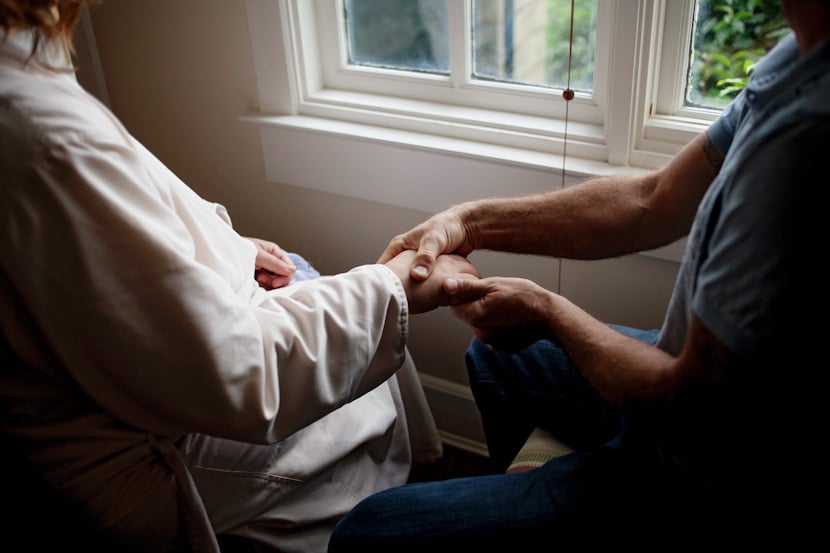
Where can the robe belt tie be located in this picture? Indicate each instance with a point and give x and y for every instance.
(197, 526)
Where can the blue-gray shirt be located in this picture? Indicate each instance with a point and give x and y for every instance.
(754, 246)
(752, 273)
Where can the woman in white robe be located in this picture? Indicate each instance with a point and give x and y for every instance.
(148, 376)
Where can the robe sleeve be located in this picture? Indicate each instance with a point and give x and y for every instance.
(144, 293)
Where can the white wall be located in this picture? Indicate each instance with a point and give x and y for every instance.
(180, 74)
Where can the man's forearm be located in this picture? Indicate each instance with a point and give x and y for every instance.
(603, 217)
(631, 375)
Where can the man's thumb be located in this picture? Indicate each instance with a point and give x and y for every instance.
(462, 290)
(422, 264)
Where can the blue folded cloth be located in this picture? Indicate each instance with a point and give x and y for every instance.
(304, 269)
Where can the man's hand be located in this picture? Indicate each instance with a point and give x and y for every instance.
(440, 234)
(505, 313)
(274, 269)
(428, 294)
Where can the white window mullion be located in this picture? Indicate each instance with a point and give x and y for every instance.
(674, 64)
(319, 41)
(274, 55)
(647, 80)
(460, 42)
(621, 77)
(663, 124)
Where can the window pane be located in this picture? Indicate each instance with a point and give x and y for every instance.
(730, 37)
(527, 42)
(399, 34)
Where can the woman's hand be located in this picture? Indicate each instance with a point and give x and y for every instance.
(426, 295)
(274, 269)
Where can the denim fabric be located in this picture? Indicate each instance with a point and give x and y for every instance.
(538, 386)
(615, 489)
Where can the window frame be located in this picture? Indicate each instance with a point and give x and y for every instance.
(634, 121)
(666, 122)
(458, 88)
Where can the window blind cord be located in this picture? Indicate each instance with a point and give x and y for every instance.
(568, 95)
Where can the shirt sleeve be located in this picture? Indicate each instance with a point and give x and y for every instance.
(757, 277)
(145, 296)
(722, 131)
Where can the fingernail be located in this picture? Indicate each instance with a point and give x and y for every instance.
(451, 284)
(420, 270)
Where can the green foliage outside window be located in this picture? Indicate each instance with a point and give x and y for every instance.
(731, 36)
(582, 50)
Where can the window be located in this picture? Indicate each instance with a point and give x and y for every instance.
(524, 42)
(473, 89)
(730, 37)
(404, 59)
(492, 71)
(397, 34)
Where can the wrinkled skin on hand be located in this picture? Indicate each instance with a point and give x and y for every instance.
(443, 233)
(426, 295)
(505, 313)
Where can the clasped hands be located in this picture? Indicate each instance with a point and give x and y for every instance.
(431, 260)
(274, 269)
(501, 311)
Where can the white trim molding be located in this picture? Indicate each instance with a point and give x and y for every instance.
(456, 414)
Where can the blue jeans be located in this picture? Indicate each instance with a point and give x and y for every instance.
(615, 488)
(538, 387)
(681, 479)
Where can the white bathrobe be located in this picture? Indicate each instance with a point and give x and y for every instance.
(149, 375)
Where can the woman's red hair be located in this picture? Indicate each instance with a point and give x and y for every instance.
(49, 18)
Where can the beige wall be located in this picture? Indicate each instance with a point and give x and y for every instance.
(179, 74)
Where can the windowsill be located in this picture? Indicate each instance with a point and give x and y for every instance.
(475, 124)
(576, 168)
(428, 172)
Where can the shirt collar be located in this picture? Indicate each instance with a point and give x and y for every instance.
(51, 54)
(780, 75)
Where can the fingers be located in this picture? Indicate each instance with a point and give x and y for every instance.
(283, 265)
(464, 290)
(428, 240)
(433, 242)
(268, 280)
(275, 261)
(279, 266)
(273, 267)
(424, 261)
(276, 273)
(392, 250)
(423, 264)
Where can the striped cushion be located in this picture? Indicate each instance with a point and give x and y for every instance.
(539, 448)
